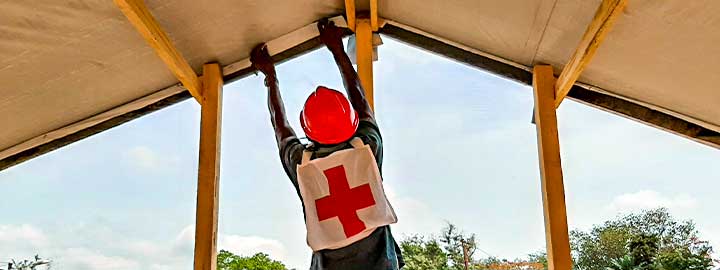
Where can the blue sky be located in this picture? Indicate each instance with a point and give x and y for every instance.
(458, 147)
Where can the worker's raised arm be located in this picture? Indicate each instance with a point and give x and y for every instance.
(331, 35)
(261, 61)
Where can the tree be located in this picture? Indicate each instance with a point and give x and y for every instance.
(683, 259)
(623, 263)
(446, 252)
(422, 254)
(458, 246)
(600, 247)
(228, 261)
(652, 239)
(539, 257)
(643, 250)
(36, 264)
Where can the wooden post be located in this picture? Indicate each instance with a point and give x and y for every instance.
(350, 13)
(206, 217)
(364, 47)
(374, 24)
(553, 191)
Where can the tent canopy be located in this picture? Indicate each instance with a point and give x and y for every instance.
(72, 68)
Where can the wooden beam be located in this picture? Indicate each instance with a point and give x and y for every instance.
(553, 191)
(374, 15)
(206, 217)
(350, 13)
(138, 14)
(364, 51)
(53, 140)
(605, 16)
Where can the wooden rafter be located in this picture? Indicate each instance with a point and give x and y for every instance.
(605, 17)
(138, 14)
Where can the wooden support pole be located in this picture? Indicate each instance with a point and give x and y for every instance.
(138, 14)
(605, 16)
(553, 191)
(364, 51)
(350, 13)
(206, 217)
(374, 15)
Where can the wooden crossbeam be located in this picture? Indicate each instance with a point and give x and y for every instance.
(138, 14)
(553, 190)
(206, 217)
(605, 16)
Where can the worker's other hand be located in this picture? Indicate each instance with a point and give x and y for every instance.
(330, 34)
(261, 60)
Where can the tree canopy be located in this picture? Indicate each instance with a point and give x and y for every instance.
(449, 251)
(652, 240)
(649, 240)
(228, 261)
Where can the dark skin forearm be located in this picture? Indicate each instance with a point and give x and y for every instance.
(261, 60)
(331, 35)
(278, 117)
(352, 84)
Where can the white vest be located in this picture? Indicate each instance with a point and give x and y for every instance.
(343, 197)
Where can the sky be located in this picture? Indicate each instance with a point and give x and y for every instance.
(459, 148)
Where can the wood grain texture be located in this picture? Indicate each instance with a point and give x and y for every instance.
(350, 13)
(140, 17)
(206, 217)
(605, 16)
(374, 15)
(364, 46)
(553, 190)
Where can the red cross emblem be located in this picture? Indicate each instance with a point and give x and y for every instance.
(343, 201)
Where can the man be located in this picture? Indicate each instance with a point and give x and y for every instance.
(337, 175)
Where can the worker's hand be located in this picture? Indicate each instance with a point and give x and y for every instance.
(330, 34)
(261, 60)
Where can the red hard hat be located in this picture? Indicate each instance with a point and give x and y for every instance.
(328, 117)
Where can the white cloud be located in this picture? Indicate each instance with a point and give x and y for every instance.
(237, 244)
(144, 157)
(69, 252)
(82, 258)
(249, 245)
(646, 199)
(25, 234)
(414, 216)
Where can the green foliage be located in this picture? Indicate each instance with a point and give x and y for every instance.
(454, 242)
(651, 240)
(643, 249)
(539, 257)
(446, 253)
(599, 248)
(35, 263)
(422, 254)
(623, 263)
(260, 261)
(683, 260)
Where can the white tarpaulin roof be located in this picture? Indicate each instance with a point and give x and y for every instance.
(70, 63)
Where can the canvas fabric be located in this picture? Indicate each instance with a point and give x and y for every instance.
(343, 197)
